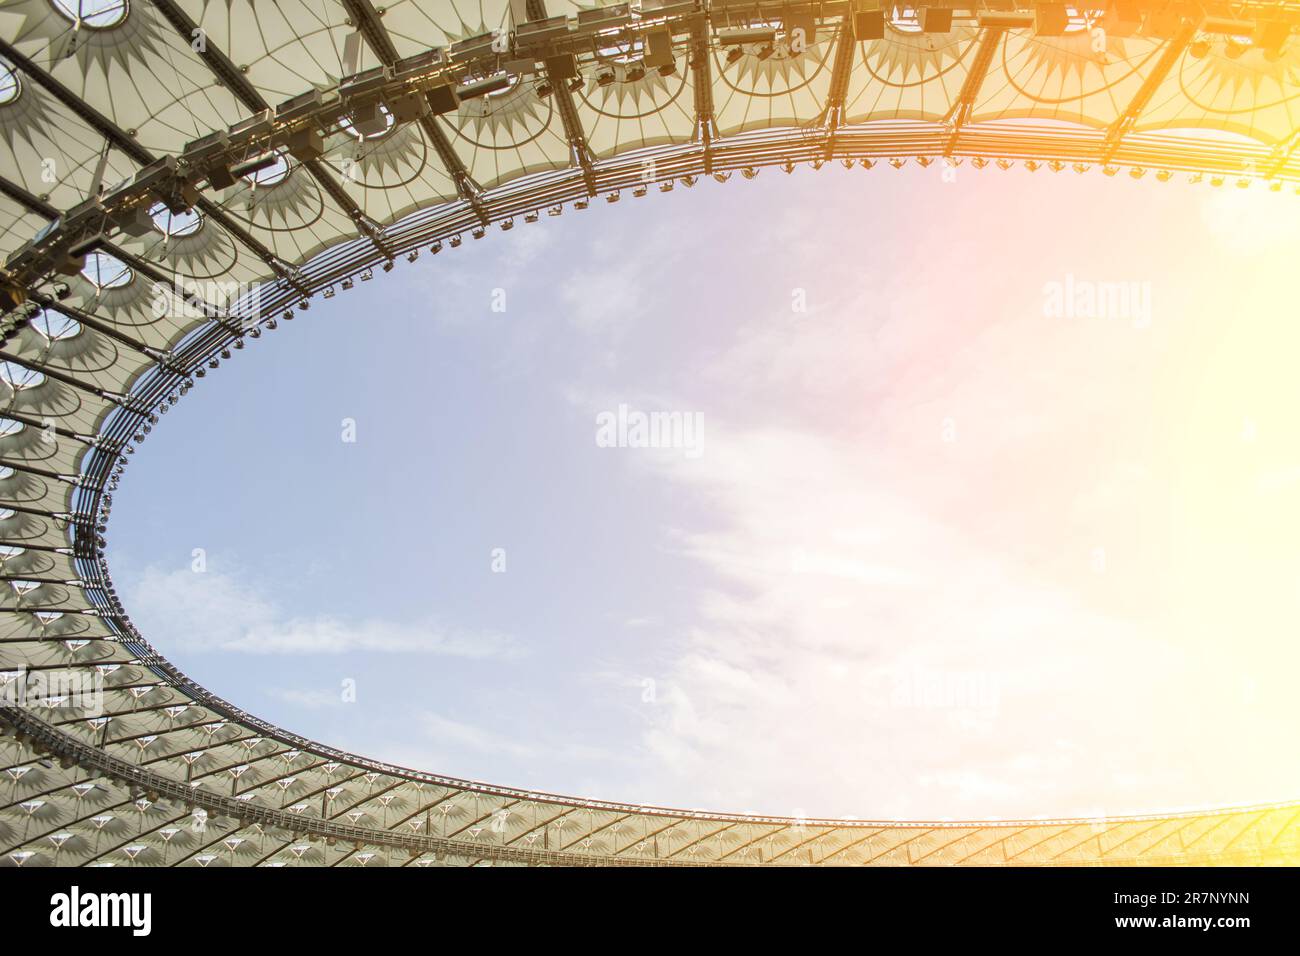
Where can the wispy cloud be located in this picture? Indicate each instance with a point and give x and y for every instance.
(222, 612)
(919, 623)
(481, 751)
(307, 699)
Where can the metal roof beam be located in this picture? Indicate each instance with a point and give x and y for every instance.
(845, 44)
(118, 138)
(222, 218)
(157, 275)
(366, 19)
(706, 128)
(57, 376)
(94, 322)
(961, 108)
(579, 151)
(233, 80)
(25, 199)
(1169, 58)
(217, 62)
(84, 111)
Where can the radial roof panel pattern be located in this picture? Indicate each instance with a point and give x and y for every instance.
(178, 177)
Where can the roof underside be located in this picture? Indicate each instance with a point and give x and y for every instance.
(157, 770)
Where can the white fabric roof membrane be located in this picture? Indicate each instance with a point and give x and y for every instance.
(148, 767)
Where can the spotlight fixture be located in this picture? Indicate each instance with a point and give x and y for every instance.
(1164, 176)
(688, 181)
(388, 265)
(734, 54)
(1109, 170)
(1137, 172)
(788, 167)
(581, 203)
(1235, 48)
(347, 283)
(555, 211)
(329, 292)
(668, 69)
(436, 248)
(531, 216)
(543, 89)
(478, 232)
(979, 162)
(1199, 49)
(749, 172)
(1080, 167)
(721, 177)
(367, 275)
(413, 255)
(1031, 165)
(253, 166)
(1216, 180)
(575, 84)
(897, 163)
(455, 241)
(666, 186)
(13, 297)
(848, 163)
(639, 192)
(507, 225)
(483, 86)
(634, 74)
(612, 197)
(766, 51)
(604, 79)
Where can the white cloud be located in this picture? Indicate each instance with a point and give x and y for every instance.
(853, 558)
(603, 299)
(307, 699)
(457, 735)
(222, 613)
(471, 743)
(833, 597)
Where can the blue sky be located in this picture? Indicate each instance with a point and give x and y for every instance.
(929, 562)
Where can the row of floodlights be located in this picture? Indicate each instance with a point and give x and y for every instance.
(61, 290)
(1122, 18)
(365, 101)
(478, 232)
(750, 172)
(368, 102)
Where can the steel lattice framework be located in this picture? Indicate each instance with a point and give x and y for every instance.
(365, 134)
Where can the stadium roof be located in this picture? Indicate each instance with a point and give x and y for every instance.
(176, 178)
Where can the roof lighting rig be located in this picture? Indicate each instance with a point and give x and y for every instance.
(556, 50)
